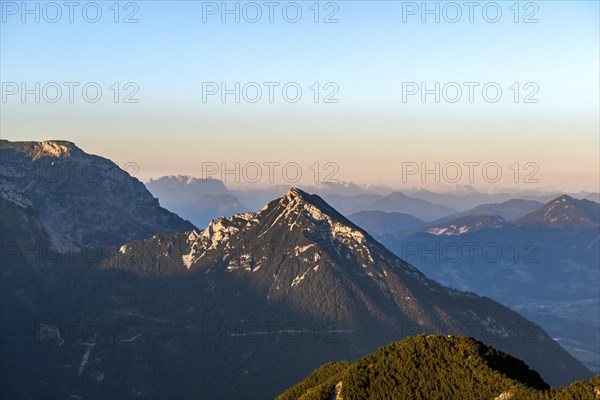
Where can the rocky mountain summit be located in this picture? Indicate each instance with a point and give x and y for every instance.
(83, 200)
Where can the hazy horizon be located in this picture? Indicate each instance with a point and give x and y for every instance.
(364, 121)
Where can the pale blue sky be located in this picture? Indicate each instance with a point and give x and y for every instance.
(368, 54)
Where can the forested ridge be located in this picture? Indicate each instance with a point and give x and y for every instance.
(433, 367)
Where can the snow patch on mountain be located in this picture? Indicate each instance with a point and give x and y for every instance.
(452, 230)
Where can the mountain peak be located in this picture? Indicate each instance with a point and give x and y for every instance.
(564, 211)
(52, 149)
(299, 259)
(44, 148)
(399, 194)
(563, 198)
(83, 208)
(297, 202)
(294, 192)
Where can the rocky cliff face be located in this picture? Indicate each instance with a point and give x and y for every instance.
(82, 199)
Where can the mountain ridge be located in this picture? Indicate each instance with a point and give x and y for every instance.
(325, 253)
(564, 211)
(434, 367)
(84, 200)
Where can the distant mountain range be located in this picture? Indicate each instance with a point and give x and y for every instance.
(463, 202)
(396, 202)
(197, 200)
(434, 367)
(564, 212)
(399, 202)
(348, 189)
(184, 195)
(380, 223)
(545, 263)
(509, 210)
